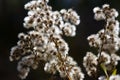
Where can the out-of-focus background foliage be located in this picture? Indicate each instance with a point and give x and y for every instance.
(12, 14)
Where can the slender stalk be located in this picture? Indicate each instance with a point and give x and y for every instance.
(62, 60)
(99, 52)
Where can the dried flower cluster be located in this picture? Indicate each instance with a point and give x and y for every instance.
(45, 43)
(107, 41)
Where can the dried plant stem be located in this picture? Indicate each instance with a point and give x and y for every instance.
(62, 60)
(100, 51)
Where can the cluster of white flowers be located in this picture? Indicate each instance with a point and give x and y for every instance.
(45, 42)
(68, 68)
(110, 34)
(107, 41)
(105, 12)
(90, 62)
(43, 19)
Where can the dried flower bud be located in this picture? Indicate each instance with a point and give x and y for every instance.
(96, 9)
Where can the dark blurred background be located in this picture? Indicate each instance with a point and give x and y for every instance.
(12, 14)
